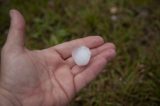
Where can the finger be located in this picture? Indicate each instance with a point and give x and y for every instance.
(94, 52)
(65, 49)
(93, 69)
(102, 48)
(16, 32)
(108, 55)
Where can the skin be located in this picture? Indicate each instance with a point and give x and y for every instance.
(46, 77)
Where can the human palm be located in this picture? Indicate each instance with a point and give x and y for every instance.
(48, 77)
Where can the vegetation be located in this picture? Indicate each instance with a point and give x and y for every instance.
(133, 78)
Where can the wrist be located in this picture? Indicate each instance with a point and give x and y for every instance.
(7, 99)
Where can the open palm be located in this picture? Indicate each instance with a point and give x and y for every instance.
(48, 77)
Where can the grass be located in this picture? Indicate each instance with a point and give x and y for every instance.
(133, 78)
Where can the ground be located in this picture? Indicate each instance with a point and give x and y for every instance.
(133, 77)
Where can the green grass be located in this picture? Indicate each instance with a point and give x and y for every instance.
(133, 78)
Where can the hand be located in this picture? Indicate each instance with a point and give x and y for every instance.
(47, 77)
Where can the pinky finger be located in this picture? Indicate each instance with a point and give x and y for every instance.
(94, 68)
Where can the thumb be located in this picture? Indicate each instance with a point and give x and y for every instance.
(15, 37)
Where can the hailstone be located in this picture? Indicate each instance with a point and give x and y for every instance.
(81, 55)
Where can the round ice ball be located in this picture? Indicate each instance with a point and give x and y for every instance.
(81, 55)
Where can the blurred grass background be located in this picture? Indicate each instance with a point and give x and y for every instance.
(133, 78)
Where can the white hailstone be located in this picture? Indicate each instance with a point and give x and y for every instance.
(81, 55)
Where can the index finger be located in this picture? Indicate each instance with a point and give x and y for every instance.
(65, 49)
